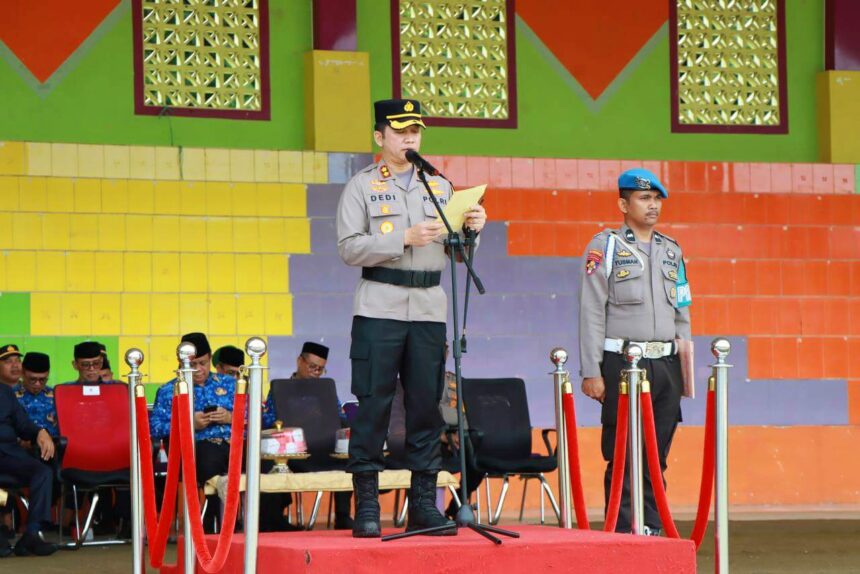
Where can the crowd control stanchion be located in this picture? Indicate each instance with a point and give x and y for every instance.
(134, 358)
(633, 354)
(720, 349)
(560, 378)
(184, 352)
(256, 348)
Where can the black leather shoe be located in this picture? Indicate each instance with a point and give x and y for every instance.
(33, 544)
(343, 522)
(366, 487)
(5, 547)
(422, 506)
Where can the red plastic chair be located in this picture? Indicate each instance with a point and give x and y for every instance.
(94, 420)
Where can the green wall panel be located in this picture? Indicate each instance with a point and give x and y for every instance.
(14, 315)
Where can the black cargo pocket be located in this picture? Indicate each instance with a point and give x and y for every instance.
(359, 353)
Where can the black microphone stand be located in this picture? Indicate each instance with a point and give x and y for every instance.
(465, 515)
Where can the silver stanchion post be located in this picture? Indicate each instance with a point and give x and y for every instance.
(134, 358)
(185, 373)
(560, 378)
(633, 355)
(720, 349)
(256, 348)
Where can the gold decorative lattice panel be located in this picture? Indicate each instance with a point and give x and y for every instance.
(728, 62)
(457, 58)
(202, 57)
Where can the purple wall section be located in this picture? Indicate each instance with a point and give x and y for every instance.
(530, 307)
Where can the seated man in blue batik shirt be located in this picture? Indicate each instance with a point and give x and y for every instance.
(35, 395)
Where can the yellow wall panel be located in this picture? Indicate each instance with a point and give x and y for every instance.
(194, 277)
(838, 113)
(141, 196)
(88, 195)
(222, 314)
(81, 271)
(114, 196)
(193, 313)
(219, 234)
(13, 158)
(60, 194)
(107, 316)
(241, 165)
(27, 230)
(272, 238)
(193, 163)
(244, 199)
(137, 272)
(141, 162)
(2, 273)
(166, 198)
(50, 271)
(9, 191)
(91, 161)
(165, 272)
(39, 158)
(164, 364)
(46, 314)
(167, 163)
(192, 196)
(217, 162)
(117, 161)
(275, 271)
(77, 314)
(112, 232)
(290, 166)
(83, 232)
(64, 160)
(298, 234)
(192, 234)
(24, 265)
(135, 313)
(308, 167)
(6, 231)
(138, 232)
(295, 200)
(33, 194)
(221, 269)
(279, 314)
(249, 276)
(251, 314)
(109, 272)
(246, 235)
(55, 231)
(269, 199)
(165, 314)
(265, 165)
(219, 198)
(165, 233)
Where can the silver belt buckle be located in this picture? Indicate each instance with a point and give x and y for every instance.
(654, 349)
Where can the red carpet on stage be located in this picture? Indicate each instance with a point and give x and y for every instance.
(540, 549)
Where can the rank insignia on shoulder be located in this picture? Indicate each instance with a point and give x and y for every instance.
(673, 275)
(220, 391)
(385, 172)
(622, 274)
(386, 227)
(623, 253)
(628, 235)
(592, 261)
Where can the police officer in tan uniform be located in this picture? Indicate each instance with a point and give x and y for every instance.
(387, 225)
(634, 289)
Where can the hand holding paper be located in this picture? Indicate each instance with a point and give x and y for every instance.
(461, 203)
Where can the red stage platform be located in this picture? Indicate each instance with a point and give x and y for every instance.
(539, 549)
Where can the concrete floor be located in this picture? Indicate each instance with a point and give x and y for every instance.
(773, 546)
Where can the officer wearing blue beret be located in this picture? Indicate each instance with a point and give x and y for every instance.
(35, 395)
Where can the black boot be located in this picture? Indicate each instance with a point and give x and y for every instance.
(366, 487)
(422, 505)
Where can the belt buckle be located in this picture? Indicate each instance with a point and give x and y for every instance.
(654, 349)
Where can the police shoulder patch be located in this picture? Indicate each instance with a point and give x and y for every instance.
(672, 239)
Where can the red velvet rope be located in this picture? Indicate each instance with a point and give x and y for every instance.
(573, 461)
(618, 458)
(209, 562)
(707, 483)
(653, 455)
(157, 526)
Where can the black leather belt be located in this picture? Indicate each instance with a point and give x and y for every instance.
(402, 277)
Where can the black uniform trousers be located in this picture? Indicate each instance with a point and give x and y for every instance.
(36, 475)
(666, 387)
(381, 350)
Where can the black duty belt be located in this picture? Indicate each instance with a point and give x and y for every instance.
(402, 277)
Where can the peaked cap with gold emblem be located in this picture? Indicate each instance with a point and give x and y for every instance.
(398, 114)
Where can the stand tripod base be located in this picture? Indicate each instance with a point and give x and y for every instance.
(465, 519)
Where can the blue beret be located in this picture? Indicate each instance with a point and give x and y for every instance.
(640, 179)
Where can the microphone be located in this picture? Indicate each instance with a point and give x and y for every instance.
(421, 163)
